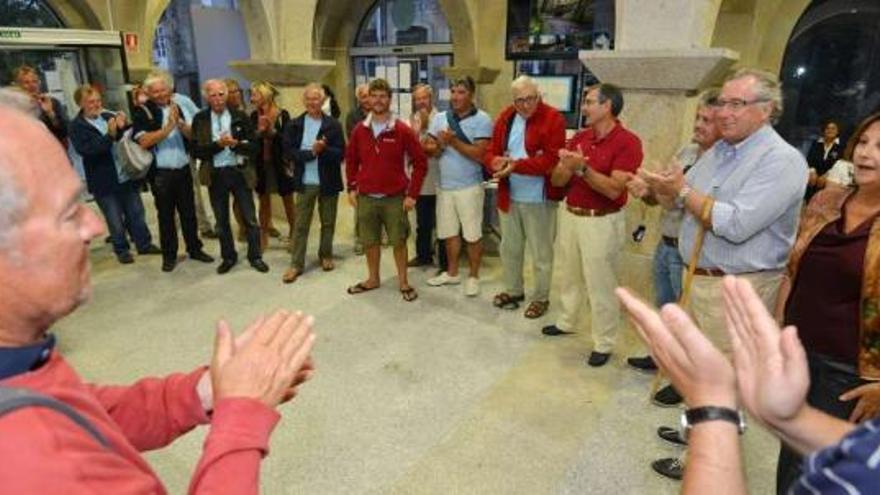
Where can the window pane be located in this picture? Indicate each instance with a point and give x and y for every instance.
(28, 13)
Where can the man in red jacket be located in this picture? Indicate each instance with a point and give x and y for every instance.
(84, 438)
(378, 186)
(525, 147)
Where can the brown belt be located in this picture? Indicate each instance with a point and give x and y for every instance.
(670, 241)
(589, 212)
(710, 272)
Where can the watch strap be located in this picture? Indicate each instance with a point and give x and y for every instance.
(715, 413)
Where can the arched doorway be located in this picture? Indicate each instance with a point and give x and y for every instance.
(406, 42)
(831, 68)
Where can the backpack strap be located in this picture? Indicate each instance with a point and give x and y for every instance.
(455, 125)
(13, 399)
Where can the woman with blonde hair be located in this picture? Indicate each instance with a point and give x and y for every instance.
(273, 175)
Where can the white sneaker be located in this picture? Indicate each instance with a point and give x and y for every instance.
(471, 286)
(444, 279)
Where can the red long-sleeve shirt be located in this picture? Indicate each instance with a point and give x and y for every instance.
(43, 451)
(376, 165)
(545, 135)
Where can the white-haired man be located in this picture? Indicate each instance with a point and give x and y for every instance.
(524, 149)
(61, 435)
(159, 126)
(224, 141)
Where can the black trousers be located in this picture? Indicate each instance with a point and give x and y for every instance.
(173, 192)
(226, 181)
(426, 222)
(828, 379)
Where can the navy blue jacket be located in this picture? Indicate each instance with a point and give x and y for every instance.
(329, 161)
(96, 150)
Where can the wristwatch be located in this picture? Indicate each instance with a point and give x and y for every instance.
(682, 195)
(691, 417)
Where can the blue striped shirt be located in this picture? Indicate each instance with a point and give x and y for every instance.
(849, 468)
(758, 186)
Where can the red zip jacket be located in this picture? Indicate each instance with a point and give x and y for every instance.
(43, 451)
(377, 166)
(545, 135)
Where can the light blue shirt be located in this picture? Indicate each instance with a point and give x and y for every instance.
(187, 107)
(104, 128)
(310, 134)
(456, 170)
(171, 152)
(378, 127)
(222, 125)
(758, 186)
(523, 188)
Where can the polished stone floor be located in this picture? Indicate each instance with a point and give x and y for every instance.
(443, 395)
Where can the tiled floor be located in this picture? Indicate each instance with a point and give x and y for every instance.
(443, 395)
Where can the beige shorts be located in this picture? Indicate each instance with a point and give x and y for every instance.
(460, 210)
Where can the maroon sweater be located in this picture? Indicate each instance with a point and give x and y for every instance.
(377, 164)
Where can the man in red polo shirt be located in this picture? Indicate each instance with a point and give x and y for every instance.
(594, 166)
(378, 186)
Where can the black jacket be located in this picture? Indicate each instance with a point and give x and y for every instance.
(283, 176)
(329, 162)
(96, 149)
(816, 157)
(204, 147)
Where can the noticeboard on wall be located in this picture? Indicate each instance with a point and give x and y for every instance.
(558, 91)
(558, 29)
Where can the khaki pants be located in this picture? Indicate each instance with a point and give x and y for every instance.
(305, 207)
(707, 304)
(532, 224)
(587, 257)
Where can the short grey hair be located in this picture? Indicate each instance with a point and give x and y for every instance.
(16, 99)
(769, 89)
(158, 75)
(524, 82)
(316, 88)
(214, 82)
(709, 97)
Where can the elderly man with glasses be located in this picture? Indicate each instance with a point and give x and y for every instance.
(524, 149)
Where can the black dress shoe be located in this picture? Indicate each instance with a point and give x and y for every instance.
(598, 358)
(125, 258)
(645, 364)
(670, 467)
(202, 256)
(151, 249)
(168, 265)
(667, 397)
(671, 435)
(225, 266)
(553, 331)
(260, 266)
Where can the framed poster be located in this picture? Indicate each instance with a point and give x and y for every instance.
(559, 91)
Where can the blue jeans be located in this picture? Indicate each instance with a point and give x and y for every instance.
(124, 211)
(668, 266)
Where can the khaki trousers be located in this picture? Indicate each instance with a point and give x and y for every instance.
(588, 256)
(707, 304)
(532, 225)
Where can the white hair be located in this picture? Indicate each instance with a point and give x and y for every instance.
(214, 82)
(159, 75)
(315, 88)
(524, 82)
(768, 89)
(16, 99)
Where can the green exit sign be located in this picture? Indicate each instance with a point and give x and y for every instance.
(10, 33)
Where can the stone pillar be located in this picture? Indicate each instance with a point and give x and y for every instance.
(289, 77)
(660, 89)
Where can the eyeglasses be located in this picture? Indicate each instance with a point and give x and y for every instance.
(525, 100)
(737, 104)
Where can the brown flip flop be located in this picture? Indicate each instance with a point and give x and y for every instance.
(360, 288)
